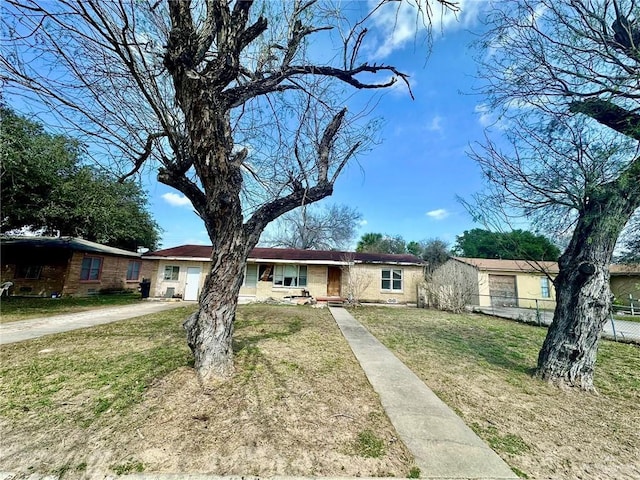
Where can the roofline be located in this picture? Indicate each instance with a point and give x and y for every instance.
(281, 261)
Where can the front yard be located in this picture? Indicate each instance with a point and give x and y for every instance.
(123, 398)
(481, 367)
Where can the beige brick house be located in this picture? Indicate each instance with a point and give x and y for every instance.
(279, 273)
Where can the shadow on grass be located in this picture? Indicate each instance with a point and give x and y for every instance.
(495, 347)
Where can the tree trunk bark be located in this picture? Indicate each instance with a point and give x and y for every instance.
(583, 295)
(210, 328)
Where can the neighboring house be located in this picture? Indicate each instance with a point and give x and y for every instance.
(279, 273)
(67, 266)
(520, 283)
(625, 283)
(511, 283)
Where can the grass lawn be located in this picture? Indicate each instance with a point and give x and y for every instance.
(481, 367)
(628, 318)
(13, 309)
(123, 398)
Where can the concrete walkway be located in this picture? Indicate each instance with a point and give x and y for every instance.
(443, 446)
(37, 327)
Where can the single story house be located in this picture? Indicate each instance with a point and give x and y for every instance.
(280, 272)
(525, 284)
(67, 266)
(512, 283)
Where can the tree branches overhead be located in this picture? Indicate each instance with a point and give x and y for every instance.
(141, 79)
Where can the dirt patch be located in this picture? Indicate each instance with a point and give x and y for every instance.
(297, 405)
(481, 367)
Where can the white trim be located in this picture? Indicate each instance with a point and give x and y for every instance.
(392, 290)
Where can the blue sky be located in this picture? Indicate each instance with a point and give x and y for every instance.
(408, 184)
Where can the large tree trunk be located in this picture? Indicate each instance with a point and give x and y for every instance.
(568, 355)
(210, 328)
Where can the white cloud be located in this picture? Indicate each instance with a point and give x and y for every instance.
(363, 222)
(176, 200)
(439, 214)
(400, 23)
(484, 115)
(435, 125)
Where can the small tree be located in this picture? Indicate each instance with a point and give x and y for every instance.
(450, 287)
(435, 252)
(358, 279)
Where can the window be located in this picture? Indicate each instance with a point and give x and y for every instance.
(91, 267)
(171, 272)
(250, 275)
(544, 288)
(28, 272)
(290, 276)
(392, 279)
(133, 270)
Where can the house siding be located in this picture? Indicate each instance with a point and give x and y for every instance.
(371, 274)
(624, 285)
(51, 281)
(113, 275)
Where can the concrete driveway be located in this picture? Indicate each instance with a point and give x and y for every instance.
(13, 332)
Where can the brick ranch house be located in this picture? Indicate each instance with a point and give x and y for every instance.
(278, 273)
(67, 266)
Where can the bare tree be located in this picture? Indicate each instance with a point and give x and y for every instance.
(234, 102)
(330, 227)
(552, 67)
(358, 279)
(451, 287)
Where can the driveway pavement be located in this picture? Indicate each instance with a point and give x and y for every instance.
(37, 327)
(619, 329)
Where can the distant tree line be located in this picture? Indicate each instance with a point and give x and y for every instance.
(476, 243)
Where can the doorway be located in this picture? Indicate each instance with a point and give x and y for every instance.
(193, 283)
(334, 274)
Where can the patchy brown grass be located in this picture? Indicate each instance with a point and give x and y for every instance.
(123, 398)
(481, 367)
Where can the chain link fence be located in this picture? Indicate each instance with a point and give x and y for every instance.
(623, 324)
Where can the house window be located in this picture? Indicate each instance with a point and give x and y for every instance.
(250, 275)
(28, 272)
(545, 291)
(290, 276)
(171, 272)
(91, 267)
(133, 270)
(392, 279)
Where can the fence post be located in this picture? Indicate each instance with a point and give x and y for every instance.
(631, 303)
(537, 312)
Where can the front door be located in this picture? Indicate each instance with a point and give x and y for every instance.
(334, 274)
(193, 283)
